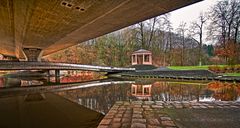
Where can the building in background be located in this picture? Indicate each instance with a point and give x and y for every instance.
(142, 57)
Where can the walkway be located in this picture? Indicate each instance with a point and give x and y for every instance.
(24, 65)
(152, 114)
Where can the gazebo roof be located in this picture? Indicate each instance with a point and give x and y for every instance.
(142, 51)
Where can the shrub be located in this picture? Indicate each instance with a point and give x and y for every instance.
(214, 68)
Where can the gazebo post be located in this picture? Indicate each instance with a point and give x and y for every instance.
(143, 57)
(133, 59)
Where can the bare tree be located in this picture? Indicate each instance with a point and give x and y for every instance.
(225, 16)
(181, 30)
(168, 46)
(146, 32)
(141, 25)
(196, 29)
(152, 29)
(225, 22)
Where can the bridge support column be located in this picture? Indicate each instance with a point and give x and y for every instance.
(57, 76)
(33, 54)
(48, 75)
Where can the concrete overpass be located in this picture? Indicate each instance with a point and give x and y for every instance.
(34, 28)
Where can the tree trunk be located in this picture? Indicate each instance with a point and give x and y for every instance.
(200, 50)
(142, 35)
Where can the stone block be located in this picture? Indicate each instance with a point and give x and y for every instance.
(105, 121)
(153, 122)
(126, 120)
(115, 125)
(138, 125)
(153, 126)
(164, 118)
(137, 116)
(119, 115)
(116, 119)
(139, 121)
(168, 123)
(157, 106)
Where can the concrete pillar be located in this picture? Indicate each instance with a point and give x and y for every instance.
(133, 59)
(57, 76)
(136, 59)
(48, 72)
(32, 54)
(48, 75)
(143, 58)
(150, 58)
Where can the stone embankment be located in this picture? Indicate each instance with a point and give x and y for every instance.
(177, 74)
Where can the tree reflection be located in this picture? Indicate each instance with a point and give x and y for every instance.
(225, 91)
(101, 98)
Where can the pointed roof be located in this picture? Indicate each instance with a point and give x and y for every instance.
(142, 51)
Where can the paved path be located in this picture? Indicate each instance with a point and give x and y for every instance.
(149, 114)
(25, 65)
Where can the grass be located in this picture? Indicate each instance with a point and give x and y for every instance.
(204, 67)
(231, 74)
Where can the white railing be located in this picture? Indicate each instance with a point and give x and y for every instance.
(48, 65)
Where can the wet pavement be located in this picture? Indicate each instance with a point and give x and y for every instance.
(205, 118)
(159, 114)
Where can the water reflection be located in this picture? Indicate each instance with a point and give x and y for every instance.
(100, 95)
(142, 92)
(101, 98)
(224, 91)
(44, 111)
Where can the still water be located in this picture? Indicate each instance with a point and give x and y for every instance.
(41, 102)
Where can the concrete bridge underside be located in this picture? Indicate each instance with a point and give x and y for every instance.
(34, 28)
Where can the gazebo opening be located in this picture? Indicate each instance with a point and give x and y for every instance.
(142, 57)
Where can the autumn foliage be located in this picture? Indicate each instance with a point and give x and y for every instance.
(229, 51)
(225, 69)
(224, 91)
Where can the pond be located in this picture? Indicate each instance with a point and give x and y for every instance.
(35, 102)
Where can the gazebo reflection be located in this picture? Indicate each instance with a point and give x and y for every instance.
(142, 92)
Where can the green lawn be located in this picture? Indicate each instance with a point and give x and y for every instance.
(204, 67)
(188, 67)
(192, 67)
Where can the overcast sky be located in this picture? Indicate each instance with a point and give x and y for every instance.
(190, 13)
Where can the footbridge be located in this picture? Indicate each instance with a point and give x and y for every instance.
(25, 65)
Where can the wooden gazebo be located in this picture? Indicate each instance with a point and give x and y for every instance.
(142, 57)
